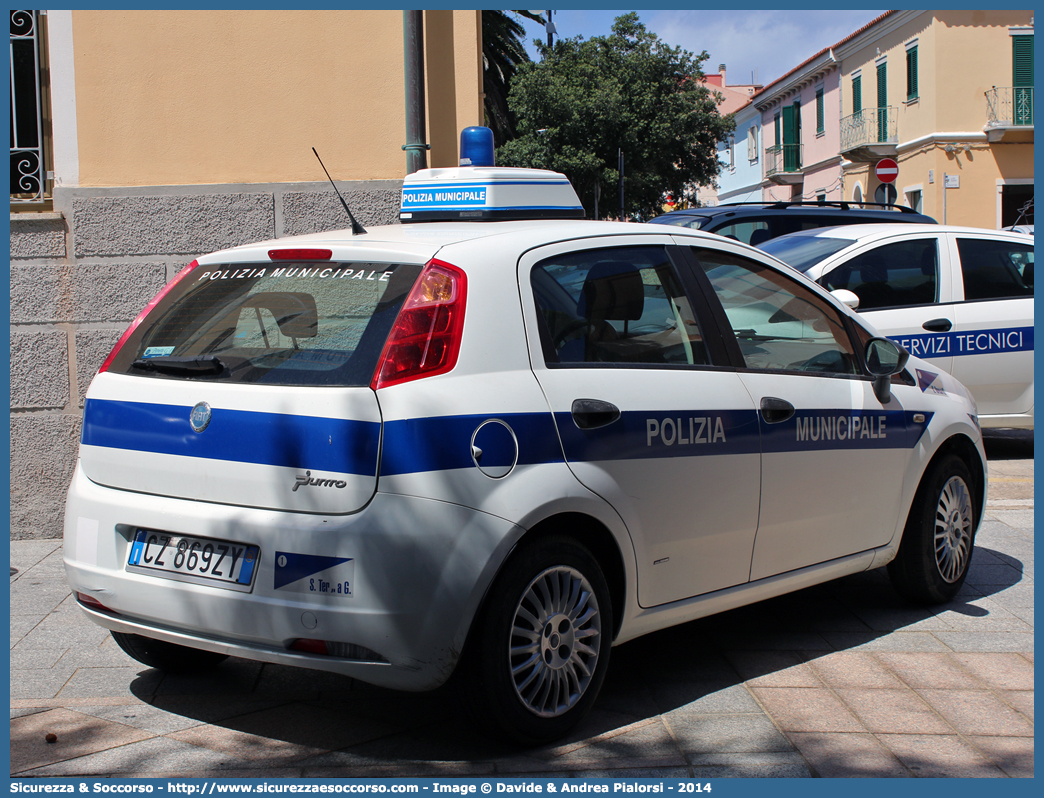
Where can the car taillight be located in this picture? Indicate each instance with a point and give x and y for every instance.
(425, 339)
(141, 316)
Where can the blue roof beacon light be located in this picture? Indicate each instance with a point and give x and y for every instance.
(476, 146)
(479, 191)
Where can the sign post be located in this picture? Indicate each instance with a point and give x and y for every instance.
(887, 170)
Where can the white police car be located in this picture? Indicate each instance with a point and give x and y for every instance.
(500, 446)
(959, 297)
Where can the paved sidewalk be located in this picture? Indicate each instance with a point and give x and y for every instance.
(838, 680)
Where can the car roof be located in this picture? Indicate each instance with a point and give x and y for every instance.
(864, 232)
(810, 209)
(422, 240)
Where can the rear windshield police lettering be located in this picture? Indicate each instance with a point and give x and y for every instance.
(283, 271)
(682, 431)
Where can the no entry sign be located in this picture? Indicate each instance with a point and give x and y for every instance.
(887, 170)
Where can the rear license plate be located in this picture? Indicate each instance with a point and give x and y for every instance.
(206, 561)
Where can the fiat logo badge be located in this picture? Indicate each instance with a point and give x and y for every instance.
(199, 418)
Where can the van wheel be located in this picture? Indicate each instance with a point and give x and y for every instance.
(938, 540)
(543, 642)
(166, 656)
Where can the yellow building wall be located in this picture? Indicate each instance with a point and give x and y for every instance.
(974, 55)
(213, 97)
(960, 54)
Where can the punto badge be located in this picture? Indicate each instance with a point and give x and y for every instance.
(200, 416)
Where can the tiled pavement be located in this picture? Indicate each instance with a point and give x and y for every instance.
(838, 680)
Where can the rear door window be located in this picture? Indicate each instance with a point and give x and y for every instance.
(620, 305)
(310, 324)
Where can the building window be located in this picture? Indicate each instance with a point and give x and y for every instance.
(28, 100)
(821, 197)
(732, 152)
(792, 137)
(914, 199)
(820, 114)
(779, 129)
(752, 144)
(882, 101)
(911, 73)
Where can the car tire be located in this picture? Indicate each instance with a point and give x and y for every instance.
(939, 538)
(166, 656)
(542, 644)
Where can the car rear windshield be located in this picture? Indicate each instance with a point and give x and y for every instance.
(681, 220)
(310, 324)
(804, 252)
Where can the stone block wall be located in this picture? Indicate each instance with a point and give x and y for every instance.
(81, 274)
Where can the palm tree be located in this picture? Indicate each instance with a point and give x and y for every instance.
(502, 53)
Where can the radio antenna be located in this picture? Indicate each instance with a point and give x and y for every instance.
(357, 229)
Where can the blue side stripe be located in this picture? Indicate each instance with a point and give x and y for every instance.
(277, 439)
(444, 442)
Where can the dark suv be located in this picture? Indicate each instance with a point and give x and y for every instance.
(755, 222)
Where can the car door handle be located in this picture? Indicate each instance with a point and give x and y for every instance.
(775, 410)
(593, 413)
(937, 325)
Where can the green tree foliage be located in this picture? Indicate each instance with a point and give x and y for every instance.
(587, 99)
(503, 52)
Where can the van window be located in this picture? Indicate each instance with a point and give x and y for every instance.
(309, 324)
(890, 276)
(751, 231)
(995, 269)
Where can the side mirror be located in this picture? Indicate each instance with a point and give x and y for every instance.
(846, 297)
(882, 359)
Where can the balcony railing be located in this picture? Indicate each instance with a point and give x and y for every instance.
(869, 127)
(28, 176)
(1009, 107)
(783, 158)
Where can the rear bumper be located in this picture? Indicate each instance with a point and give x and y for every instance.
(419, 569)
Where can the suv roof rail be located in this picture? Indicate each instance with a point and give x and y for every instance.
(842, 204)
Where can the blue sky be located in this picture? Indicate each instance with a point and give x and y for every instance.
(767, 42)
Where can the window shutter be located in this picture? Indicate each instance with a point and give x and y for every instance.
(820, 115)
(911, 73)
(882, 101)
(1022, 78)
(752, 143)
(857, 94)
(1022, 61)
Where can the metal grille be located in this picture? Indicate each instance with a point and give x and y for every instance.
(869, 126)
(1006, 106)
(28, 178)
